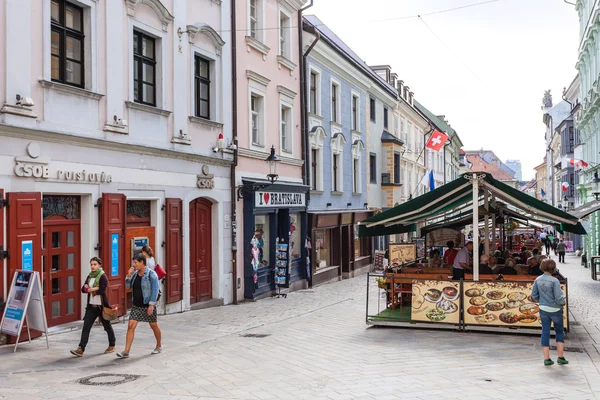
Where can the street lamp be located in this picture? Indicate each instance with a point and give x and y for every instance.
(566, 203)
(596, 180)
(247, 188)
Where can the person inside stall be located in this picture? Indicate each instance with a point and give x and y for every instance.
(484, 268)
(493, 264)
(450, 254)
(534, 266)
(509, 267)
(462, 262)
(434, 260)
(498, 257)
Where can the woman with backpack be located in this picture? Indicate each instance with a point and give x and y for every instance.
(95, 286)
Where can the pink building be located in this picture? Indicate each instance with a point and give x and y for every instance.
(268, 69)
(110, 114)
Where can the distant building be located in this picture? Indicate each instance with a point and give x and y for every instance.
(479, 164)
(515, 165)
(491, 158)
(540, 179)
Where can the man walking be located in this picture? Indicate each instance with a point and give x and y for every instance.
(462, 262)
(561, 248)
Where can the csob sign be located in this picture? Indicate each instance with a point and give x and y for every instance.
(264, 199)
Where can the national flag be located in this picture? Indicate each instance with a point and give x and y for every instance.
(578, 164)
(431, 181)
(437, 140)
(425, 179)
(543, 193)
(565, 186)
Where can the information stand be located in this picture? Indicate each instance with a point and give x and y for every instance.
(25, 305)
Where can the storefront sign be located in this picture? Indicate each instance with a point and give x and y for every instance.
(206, 180)
(436, 301)
(40, 171)
(279, 199)
(27, 255)
(502, 304)
(26, 170)
(114, 242)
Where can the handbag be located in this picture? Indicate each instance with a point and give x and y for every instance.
(110, 314)
(160, 272)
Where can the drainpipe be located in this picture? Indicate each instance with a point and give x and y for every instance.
(235, 151)
(303, 94)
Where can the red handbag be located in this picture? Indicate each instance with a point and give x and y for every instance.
(160, 272)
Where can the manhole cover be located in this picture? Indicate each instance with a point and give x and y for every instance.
(256, 335)
(107, 379)
(570, 349)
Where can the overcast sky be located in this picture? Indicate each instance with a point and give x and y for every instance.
(488, 70)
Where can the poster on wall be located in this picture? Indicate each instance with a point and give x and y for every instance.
(27, 255)
(502, 303)
(569, 245)
(402, 252)
(379, 256)
(440, 237)
(114, 254)
(420, 243)
(436, 301)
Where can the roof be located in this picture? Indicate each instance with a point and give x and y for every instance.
(338, 44)
(478, 164)
(455, 198)
(387, 137)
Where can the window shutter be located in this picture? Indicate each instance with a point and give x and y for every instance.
(174, 249)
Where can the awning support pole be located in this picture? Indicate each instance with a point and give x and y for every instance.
(493, 226)
(475, 228)
(486, 220)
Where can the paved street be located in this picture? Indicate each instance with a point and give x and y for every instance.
(317, 346)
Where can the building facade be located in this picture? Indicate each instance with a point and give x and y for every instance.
(515, 165)
(540, 182)
(553, 115)
(268, 109)
(110, 119)
(338, 85)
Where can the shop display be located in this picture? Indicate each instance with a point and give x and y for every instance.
(435, 301)
(281, 275)
(501, 303)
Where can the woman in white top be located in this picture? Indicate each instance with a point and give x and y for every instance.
(149, 254)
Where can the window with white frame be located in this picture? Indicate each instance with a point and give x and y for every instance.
(144, 68)
(286, 135)
(257, 118)
(314, 92)
(67, 43)
(385, 118)
(285, 33)
(337, 167)
(255, 19)
(396, 126)
(316, 138)
(355, 112)
(202, 92)
(356, 175)
(335, 102)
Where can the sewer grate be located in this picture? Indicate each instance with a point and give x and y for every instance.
(107, 379)
(570, 349)
(574, 323)
(256, 335)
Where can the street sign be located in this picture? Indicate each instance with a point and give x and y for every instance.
(25, 304)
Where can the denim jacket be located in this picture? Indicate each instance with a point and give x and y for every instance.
(546, 290)
(149, 285)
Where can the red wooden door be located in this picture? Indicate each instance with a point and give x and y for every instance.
(61, 263)
(24, 222)
(3, 247)
(112, 228)
(200, 250)
(174, 249)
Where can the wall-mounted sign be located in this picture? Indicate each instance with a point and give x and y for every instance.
(264, 199)
(206, 180)
(440, 237)
(27, 255)
(114, 259)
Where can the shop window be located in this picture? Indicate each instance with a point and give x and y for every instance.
(295, 236)
(67, 207)
(261, 233)
(323, 248)
(138, 213)
(362, 246)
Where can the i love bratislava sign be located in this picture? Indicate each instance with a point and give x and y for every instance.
(279, 199)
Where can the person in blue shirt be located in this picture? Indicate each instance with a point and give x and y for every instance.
(547, 292)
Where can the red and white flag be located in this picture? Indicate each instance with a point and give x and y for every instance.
(578, 164)
(437, 140)
(565, 186)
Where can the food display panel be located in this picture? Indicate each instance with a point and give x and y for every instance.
(435, 301)
(502, 303)
(402, 253)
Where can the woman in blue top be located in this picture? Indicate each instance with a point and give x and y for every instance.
(546, 290)
(143, 283)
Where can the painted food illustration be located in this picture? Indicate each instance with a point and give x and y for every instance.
(435, 314)
(477, 310)
(474, 292)
(496, 295)
(517, 296)
(478, 300)
(527, 318)
(447, 306)
(509, 317)
(513, 304)
(529, 308)
(495, 306)
(433, 295)
(417, 300)
(486, 319)
(450, 293)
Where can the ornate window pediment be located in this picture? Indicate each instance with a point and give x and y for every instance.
(163, 14)
(316, 137)
(337, 143)
(208, 31)
(357, 147)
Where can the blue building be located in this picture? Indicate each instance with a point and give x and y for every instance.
(338, 85)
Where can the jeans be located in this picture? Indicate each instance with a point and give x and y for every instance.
(91, 313)
(556, 318)
(561, 257)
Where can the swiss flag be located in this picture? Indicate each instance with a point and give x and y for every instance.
(437, 140)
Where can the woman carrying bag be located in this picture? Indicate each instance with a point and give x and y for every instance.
(95, 286)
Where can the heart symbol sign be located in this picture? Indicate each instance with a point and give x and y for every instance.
(266, 197)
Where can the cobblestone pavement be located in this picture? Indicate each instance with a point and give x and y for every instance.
(318, 347)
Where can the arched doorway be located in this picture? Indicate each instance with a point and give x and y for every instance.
(200, 250)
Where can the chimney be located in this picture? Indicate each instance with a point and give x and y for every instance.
(393, 78)
(400, 87)
(411, 96)
(406, 90)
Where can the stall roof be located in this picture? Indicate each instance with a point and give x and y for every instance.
(458, 193)
(585, 210)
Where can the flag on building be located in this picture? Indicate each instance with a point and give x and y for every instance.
(437, 140)
(425, 179)
(578, 164)
(565, 186)
(431, 181)
(543, 193)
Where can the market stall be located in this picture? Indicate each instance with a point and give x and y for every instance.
(419, 294)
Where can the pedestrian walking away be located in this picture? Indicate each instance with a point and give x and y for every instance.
(143, 282)
(95, 286)
(547, 292)
(561, 248)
